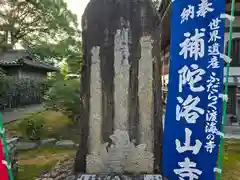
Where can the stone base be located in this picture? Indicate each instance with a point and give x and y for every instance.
(120, 177)
(122, 156)
(64, 170)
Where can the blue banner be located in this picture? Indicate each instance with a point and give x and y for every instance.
(194, 104)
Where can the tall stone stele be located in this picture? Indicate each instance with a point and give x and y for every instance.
(120, 121)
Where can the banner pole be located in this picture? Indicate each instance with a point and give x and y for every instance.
(2, 133)
(220, 162)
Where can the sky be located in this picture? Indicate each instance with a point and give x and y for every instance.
(77, 7)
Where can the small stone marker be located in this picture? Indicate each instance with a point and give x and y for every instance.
(65, 143)
(48, 142)
(26, 145)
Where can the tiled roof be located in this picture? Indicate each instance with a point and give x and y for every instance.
(22, 57)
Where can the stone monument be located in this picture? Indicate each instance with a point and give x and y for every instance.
(120, 121)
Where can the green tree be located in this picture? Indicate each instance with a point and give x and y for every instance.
(68, 50)
(64, 96)
(64, 69)
(45, 27)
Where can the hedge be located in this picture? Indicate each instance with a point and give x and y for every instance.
(15, 92)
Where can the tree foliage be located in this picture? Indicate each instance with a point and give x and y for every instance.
(46, 27)
(33, 127)
(64, 96)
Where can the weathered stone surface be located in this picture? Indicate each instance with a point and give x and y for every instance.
(26, 145)
(120, 177)
(48, 142)
(65, 143)
(121, 84)
(64, 171)
(12, 141)
(122, 156)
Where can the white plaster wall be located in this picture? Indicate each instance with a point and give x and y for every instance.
(95, 102)
(121, 79)
(234, 71)
(145, 93)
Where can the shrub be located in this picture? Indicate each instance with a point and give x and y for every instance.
(33, 126)
(64, 96)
